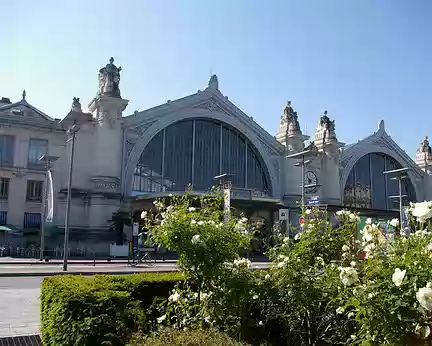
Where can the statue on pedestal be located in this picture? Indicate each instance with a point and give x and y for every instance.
(109, 79)
(425, 147)
(76, 105)
(327, 126)
(290, 117)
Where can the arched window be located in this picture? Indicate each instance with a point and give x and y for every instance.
(368, 187)
(194, 152)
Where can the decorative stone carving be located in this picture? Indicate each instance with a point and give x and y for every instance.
(380, 142)
(291, 119)
(425, 147)
(109, 79)
(139, 130)
(328, 127)
(276, 169)
(271, 151)
(76, 105)
(111, 118)
(212, 106)
(325, 135)
(129, 147)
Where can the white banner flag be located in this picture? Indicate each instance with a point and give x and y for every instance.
(50, 198)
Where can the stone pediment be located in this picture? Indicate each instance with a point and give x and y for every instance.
(380, 141)
(210, 103)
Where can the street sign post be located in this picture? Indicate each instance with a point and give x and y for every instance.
(314, 200)
(283, 214)
(301, 220)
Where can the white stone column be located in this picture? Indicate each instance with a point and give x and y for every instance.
(108, 147)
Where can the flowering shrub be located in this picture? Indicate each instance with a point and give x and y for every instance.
(390, 301)
(307, 279)
(198, 230)
(328, 285)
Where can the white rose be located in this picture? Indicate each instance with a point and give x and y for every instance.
(281, 264)
(320, 261)
(308, 211)
(352, 217)
(398, 276)
(286, 240)
(174, 297)
(143, 215)
(193, 222)
(424, 297)
(353, 263)
(297, 236)
(340, 310)
(394, 222)
(422, 331)
(422, 211)
(267, 277)
(368, 221)
(201, 222)
(195, 239)
(348, 276)
(345, 248)
(191, 209)
(161, 319)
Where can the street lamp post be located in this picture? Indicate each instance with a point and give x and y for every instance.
(47, 160)
(399, 175)
(303, 155)
(72, 131)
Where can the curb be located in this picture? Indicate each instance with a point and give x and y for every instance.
(89, 262)
(85, 273)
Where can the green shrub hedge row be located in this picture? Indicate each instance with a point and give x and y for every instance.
(100, 310)
(173, 337)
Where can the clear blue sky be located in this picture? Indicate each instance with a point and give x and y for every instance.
(361, 60)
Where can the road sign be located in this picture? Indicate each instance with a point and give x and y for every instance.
(283, 214)
(314, 200)
(301, 220)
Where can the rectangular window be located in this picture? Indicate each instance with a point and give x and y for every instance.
(32, 220)
(34, 190)
(37, 148)
(7, 146)
(4, 188)
(3, 218)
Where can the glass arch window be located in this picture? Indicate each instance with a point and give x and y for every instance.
(368, 187)
(195, 151)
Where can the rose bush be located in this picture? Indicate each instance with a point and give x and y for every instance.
(327, 286)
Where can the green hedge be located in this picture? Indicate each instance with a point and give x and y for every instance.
(100, 310)
(172, 337)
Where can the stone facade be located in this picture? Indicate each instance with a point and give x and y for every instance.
(109, 144)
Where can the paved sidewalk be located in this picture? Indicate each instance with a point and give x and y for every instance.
(19, 312)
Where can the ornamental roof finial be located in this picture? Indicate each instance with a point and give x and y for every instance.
(213, 82)
(24, 95)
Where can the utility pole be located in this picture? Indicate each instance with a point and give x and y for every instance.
(72, 131)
